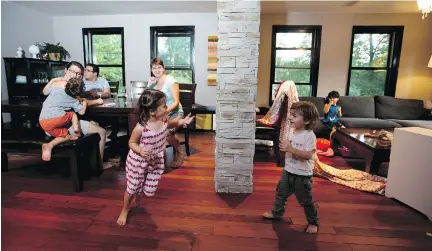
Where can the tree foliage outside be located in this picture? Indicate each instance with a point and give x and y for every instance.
(176, 53)
(293, 61)
(369, 50)
(107, 50)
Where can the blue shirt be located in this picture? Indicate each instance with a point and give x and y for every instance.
(167, 89)
(57, 103)
(99, 85)
(332, 115)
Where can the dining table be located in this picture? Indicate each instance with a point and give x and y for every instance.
(112, 107)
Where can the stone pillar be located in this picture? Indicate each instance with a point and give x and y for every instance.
(238, 32)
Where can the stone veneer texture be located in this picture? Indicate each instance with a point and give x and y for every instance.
(238, 32)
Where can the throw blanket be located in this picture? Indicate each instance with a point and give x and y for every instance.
(351, 178)
(289, 89)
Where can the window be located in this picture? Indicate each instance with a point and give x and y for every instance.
(175, 46)
(105, 48)
(374, 61)
(295, 56)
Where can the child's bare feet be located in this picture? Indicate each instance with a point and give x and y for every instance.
(269, 216)
(77, 131)
(46, 152)
(77, 134)
(179, 160)
(121, 221)
(311, 229)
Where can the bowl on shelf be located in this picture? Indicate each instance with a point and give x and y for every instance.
(21, 79)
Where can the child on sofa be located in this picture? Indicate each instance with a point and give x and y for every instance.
(332, 111)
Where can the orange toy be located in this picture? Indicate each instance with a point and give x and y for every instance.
(323, 144)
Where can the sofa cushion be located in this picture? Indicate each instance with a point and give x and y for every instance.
(414, 123)
(357, 107)
(396, 108)
(320, 130)
(368, 123)
(317, 101)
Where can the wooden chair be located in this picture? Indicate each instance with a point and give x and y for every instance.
(272, 133)
(82, 154)
(135, 88)
(187, 99)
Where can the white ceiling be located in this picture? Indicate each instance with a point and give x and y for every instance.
(340, 6)
(84, 8)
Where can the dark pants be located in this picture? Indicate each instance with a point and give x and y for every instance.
(331, 125)
(301, 186)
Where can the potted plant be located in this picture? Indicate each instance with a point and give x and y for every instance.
(54, 51)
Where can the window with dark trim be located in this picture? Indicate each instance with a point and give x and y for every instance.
(175, 46)
(374, 60)
(295, 56)
(105, 48)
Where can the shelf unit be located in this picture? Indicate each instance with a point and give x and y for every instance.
(26, 77)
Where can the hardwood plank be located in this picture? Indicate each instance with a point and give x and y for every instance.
(356, 247)
(186, 213)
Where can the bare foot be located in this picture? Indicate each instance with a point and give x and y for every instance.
(77, 131)
(121, 221)
(46, 152)
(179, 160)
(311, 229)
(269, 216)
(328, 153)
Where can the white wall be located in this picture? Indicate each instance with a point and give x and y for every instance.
(23, 27)
(414, 78)
(68, 31)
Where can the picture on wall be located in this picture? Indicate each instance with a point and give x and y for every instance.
(212, 60)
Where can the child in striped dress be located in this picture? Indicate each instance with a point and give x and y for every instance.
(145, 161)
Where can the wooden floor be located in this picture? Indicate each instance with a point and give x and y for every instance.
(40, 212)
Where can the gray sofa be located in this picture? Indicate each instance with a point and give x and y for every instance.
(380, 112)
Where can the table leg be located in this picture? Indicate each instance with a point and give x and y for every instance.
(132, 120)
(368, 163)
(4, 161)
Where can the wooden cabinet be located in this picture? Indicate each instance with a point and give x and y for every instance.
(26, 77)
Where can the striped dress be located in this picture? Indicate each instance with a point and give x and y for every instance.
(143, 174)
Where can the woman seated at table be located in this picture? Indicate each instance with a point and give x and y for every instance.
(75, 69)
(168, 85)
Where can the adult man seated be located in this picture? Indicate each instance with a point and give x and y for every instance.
(95, 86)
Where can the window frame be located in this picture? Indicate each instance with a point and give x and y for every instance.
(315, 49)
(393, 57)
(104, 31)
(173, 31)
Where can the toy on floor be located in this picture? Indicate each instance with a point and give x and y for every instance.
(323, 147)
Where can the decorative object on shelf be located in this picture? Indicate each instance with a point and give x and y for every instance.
(19, 52)
(212, 63)
(20, 79)
(54, 51)
(26, 77)
(34, 50)
(425, 6)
